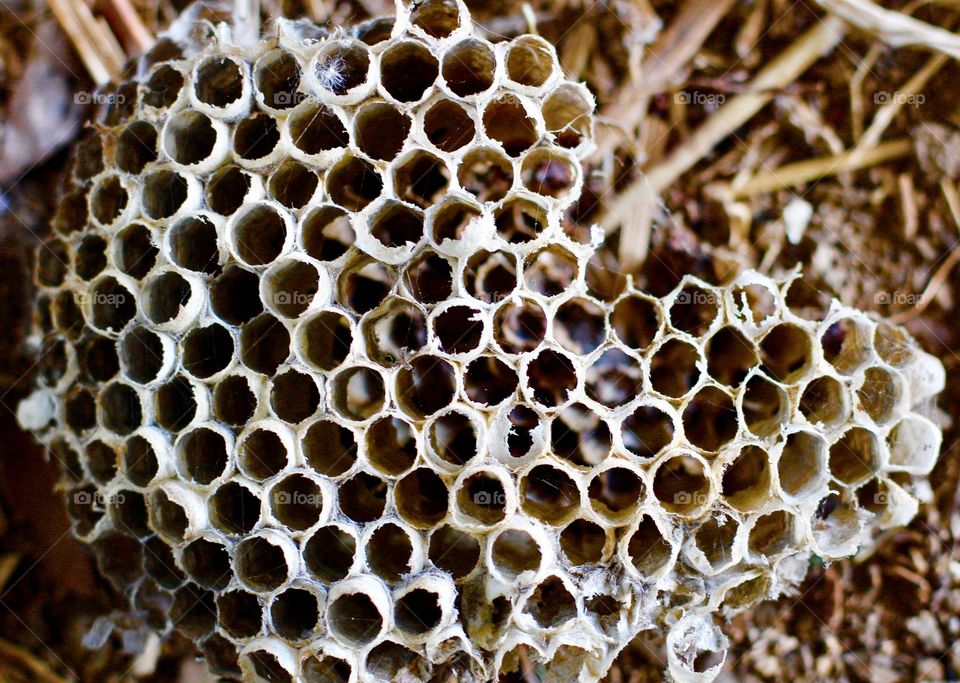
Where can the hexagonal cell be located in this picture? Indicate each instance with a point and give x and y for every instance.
(175, 404)
(355, 618)
(235, 295)
(329, 448)
(67, 316)
(418, 611)
(329, 553)
(786, 352)
(163, 87)
(673, 368)
(523, 425)
(293, 184)
(295, 614)
(452, 436)
(836, 526)
(519, 325)
(362, 497)
(120, 409)
(436, 18)
(454, 551)
(748, 593)
(233, 401)
(421, 179)
(694, 310)
(551, 604)
(207, 351)
(824, 401)
(714, 538)
(267, 667)
(730, 356)
(112, 305)
(193, 244)
(261, 564)
(259, 234)
(616, 493)
(71, 213)
(614, 379)
(326, 233)
(482, 497)
(530, 61)
(506, 121)
(802, 464)
(488, 381)
(486, 174)
(448, 126)
(357, 392)
(234, 508)
(296, 501)
(893, 345)
(189, 137)
(219, 81)
(764, 406)
(364, 284)
(391, 445)
(390, 661)
(80, 410)
(647, 430)
(647, 549)
(395, 225)
(89, 261)
(202, 454)
(390, 552)
(264, 344)
(514, 552)
(772, 533)
(165, 296)
(315, 128)
(227, 188)
(549, 494)
(880, 394)
(583, 542)
(139, 461)
(136, 147)
(425, 385)
(491, 276)
(239, 613)
(746, 480)
(551, 376)
(119, 558)
(580, 436)
(101, 460)
(277, 78)
(846, 344)
(168, 518)
(855, 456)
(914, 444)
(289, 287)
(468, 67)
(549, 173)
(342, 66)
(408, 70)
(255, 137)
(83, 513)
(207, 563)
(262, 454)
(579, 325)
(452, 220)
(709, 419)
(429, 277)
(326, 670)
(380, 130)
(520, 220)
(567, 115)
(681, 485)
(294, 396)
(458, 329)
(421, 498)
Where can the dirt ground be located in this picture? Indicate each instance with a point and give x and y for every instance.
(865, 140)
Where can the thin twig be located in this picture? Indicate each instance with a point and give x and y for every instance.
(794, 174)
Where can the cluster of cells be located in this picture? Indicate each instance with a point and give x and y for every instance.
(333, 399)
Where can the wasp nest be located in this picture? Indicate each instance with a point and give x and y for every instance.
(334, 399)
